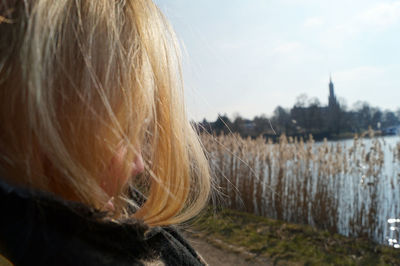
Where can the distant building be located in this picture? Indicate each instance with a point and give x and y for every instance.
(332, 101)
(316, 119)
(249, 124)
(333, 112)
(395, 130)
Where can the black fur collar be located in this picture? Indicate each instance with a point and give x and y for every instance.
(37, 228)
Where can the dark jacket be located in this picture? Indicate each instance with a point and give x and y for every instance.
(37, 228)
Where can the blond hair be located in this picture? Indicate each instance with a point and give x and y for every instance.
(76, 79)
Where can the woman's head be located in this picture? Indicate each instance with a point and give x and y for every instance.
(84, 81)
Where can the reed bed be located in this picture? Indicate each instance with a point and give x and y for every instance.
(350, 187)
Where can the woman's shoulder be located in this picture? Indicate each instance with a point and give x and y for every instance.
(39, 227)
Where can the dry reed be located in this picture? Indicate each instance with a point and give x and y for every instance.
(327, 185)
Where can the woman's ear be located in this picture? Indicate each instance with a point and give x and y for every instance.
(115, 175)
(138, 164)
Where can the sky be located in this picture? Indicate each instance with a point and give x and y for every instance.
(249, 56)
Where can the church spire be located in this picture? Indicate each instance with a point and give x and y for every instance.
(332, 98)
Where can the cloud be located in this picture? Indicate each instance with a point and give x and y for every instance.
(381, 15)
(378, 17)
(372, 19)
(313, 22)
(287, 47)
(361, 73)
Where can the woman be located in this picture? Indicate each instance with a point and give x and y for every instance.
(96, 153)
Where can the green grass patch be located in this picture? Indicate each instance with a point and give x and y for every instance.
(291, 243)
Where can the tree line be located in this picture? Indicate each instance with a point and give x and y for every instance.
(306, 117)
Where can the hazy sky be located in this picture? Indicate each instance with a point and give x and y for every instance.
(249, 56)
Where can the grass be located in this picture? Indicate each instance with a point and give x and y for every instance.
(291, 244)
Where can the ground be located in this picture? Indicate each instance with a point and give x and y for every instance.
(218, 256)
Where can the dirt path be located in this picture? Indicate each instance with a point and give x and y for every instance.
(220, 257)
